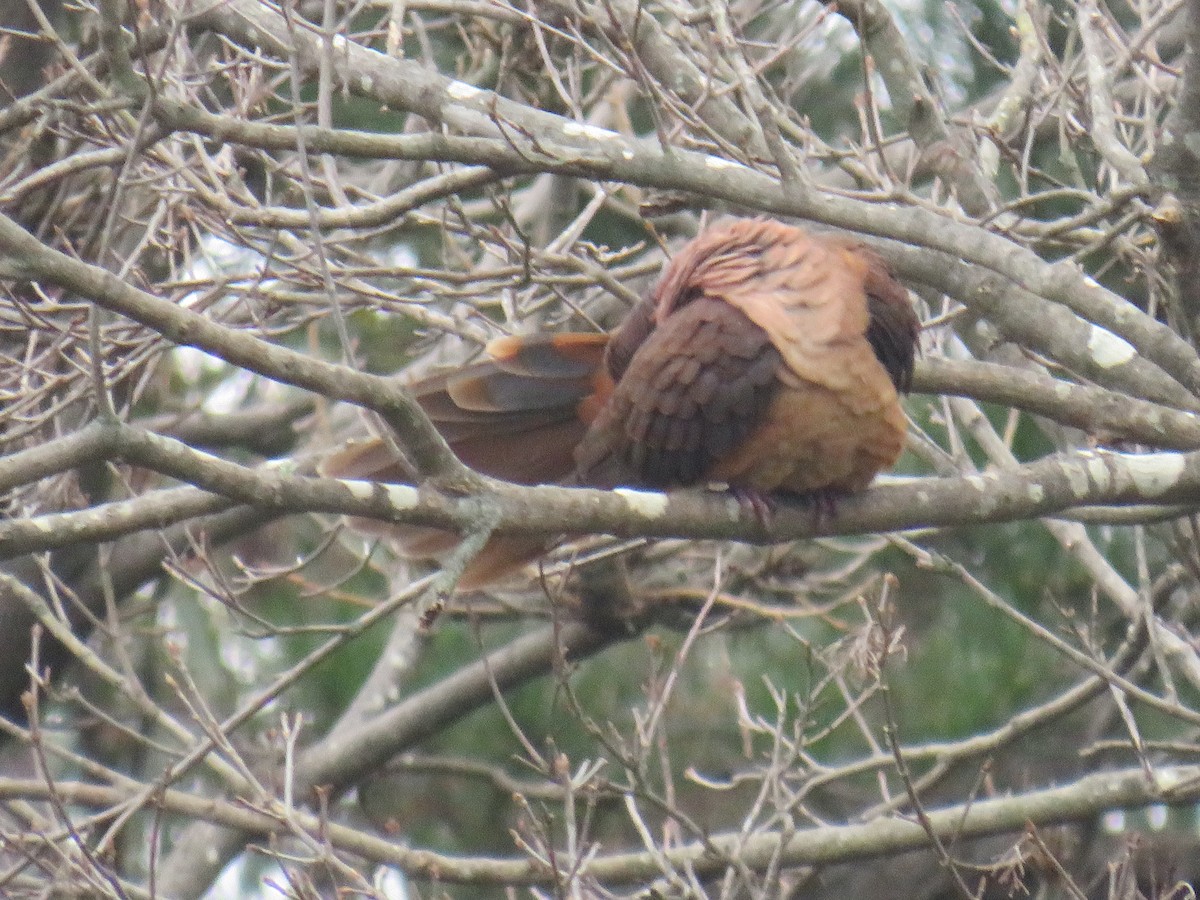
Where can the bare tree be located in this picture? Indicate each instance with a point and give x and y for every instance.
(224, 224)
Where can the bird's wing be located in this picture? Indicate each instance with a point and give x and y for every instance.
(694, 390)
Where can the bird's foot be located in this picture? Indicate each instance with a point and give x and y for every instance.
(759, 504)
(824, 504)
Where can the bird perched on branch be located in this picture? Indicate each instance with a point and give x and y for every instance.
(767, 358)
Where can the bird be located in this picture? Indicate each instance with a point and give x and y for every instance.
(767, 358)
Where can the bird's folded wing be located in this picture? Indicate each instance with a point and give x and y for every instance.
(697, 387)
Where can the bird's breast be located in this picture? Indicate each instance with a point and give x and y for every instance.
(814, 438)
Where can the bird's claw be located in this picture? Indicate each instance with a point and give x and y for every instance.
(825, 506)
(756, 503)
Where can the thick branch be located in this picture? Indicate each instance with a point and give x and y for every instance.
(1081, 800)
(1102, 413)
(611, 157)
(1052, 485)
(1176, 172)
